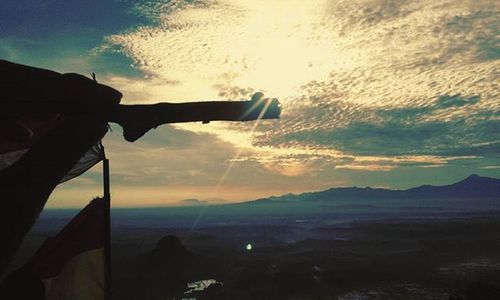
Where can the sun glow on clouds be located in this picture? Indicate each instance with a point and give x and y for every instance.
(267, 45)
(367, 85)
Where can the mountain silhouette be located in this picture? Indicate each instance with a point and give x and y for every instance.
(473, 186)
(192, 202)
(158, 274)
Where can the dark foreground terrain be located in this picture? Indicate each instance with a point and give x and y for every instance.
(383, 260)
(451, 258)
(345, 243)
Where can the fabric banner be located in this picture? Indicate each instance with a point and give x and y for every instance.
(17, 138)
(87, 161)
(71, 265)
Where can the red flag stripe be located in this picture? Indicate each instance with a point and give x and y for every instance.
(85, 232)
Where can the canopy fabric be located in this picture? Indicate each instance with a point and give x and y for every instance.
(17, 138)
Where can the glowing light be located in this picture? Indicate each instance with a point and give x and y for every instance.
(249, 247)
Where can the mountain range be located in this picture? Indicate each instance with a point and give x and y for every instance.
(473, 186)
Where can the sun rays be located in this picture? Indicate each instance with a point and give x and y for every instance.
(229, 167)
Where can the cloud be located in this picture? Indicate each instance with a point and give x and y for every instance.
(476, 32)
(447, 101)
(168, 157)
(368, 86)
(490, 167)
(365, 167)
(60, 35)
(440, 128)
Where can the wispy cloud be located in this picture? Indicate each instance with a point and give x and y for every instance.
(369, 86)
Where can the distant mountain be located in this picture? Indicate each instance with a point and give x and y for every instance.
(198, 202)
(192, 202)
(473, 186)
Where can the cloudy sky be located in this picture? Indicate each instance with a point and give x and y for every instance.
(385, 93)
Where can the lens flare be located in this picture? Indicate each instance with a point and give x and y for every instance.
(226, 173)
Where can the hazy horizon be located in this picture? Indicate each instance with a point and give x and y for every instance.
(194, 202)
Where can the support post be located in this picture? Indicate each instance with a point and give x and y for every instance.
(107, 199)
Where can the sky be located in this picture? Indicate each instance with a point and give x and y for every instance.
(381, 93)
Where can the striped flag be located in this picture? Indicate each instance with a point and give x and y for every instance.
(73, 265)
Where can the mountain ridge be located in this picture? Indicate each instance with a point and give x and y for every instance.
(470, 187)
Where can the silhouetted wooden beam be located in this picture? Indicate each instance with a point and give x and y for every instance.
(136, 120)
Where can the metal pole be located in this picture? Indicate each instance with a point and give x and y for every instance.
(107, 245)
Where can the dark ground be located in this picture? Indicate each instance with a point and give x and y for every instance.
(452, 258)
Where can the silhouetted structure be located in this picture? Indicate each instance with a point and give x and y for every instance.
(59, 117)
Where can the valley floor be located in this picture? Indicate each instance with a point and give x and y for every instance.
(451, 259)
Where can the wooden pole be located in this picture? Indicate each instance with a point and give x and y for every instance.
(107, 245)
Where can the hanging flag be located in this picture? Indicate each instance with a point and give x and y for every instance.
(73, 265)
(16, 138)
(87, 161)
